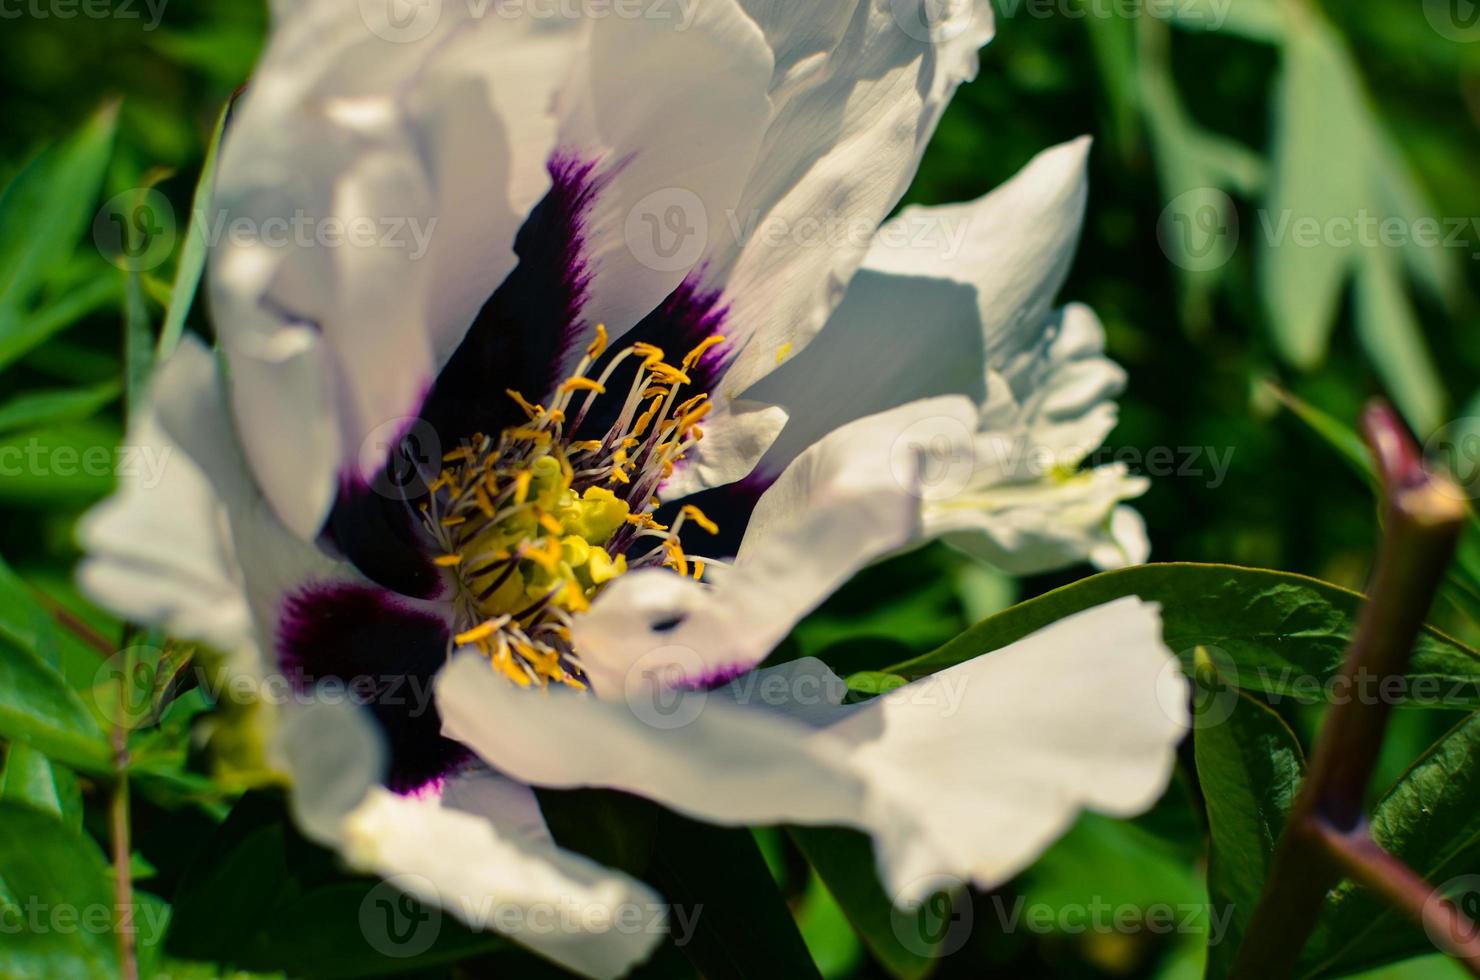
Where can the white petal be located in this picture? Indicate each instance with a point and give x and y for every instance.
(844, 502)
(858, 90)
(971, 772)
(735, 435)
(1036, 526)
(160, 550)
(223, 545)
(1028, 507)
(674, 107)
(947, 297)
(365, 206)
(474, 852)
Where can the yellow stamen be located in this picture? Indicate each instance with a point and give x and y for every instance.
(582, 384)
(696, 515)
(598, 346)
(692, 357)
(530, 408)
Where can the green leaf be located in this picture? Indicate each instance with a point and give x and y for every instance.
(46, 208)
(1430, 819)
(745, 929)
(59, 915)
(1320, 115)
(1249, 765)
(1322, 223)
(38, 709)
(30, 778)
(828, 934)
(726, 914)
(41, 408)
(1281, 634)
(1332, 431)
(844, 860)
(23, 620)
(22, 333)
(138, 341)
(193, 253)
(1390, 333)
(69, 463)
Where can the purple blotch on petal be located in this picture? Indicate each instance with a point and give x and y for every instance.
(365, 641)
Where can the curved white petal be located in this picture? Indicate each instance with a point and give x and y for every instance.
(858, 90)
(224, 547)
(948, 297)
(673, 105)
(365, 206)
(958, 300)
(160, 549)
(1028, 506)
(846, 501)
(969, 773)
(480, 851)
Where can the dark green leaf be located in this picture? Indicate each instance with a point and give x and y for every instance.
(60, 914)
(193, 253)
(1249, 765)
(726, 914)
(38, 408)
(1430, 819)
(1279, 634)
(45, 209)
(844, 859)
(38, 709)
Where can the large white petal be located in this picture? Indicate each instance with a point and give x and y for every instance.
(1027, 505)
(846, 501)
(673, 105)
(366, 204)
(476, 846)
(481, 851)
(968, 773)
(858, 90)
(959, 300)
(216, 561)
(947, 297)
(160, 549)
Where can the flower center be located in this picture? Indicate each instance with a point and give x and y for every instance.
(535, 523)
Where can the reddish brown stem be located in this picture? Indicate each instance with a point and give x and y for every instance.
(1424, 516)
(1360, 857)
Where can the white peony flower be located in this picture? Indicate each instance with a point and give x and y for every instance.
(564, 366)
